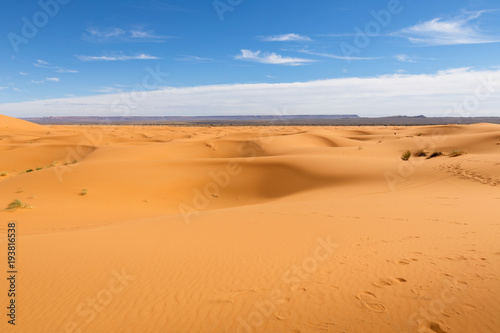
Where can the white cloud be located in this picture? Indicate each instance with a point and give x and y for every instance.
(404, 58)
(334, 56)
(64, 70)
(445, 93)
(270, 58)
(140, 34)
(102, 35)
(107, 90)
(40, 63)
(194, 59)
(137, 34)
(2, 88)
(48, 79)
(438, 31)
(23, 73)
(285, 38)
(117, 58)
(150, 35)
(43, 64)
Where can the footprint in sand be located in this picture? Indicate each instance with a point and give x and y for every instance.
(469, 308)
(368, 301)
(281, 315)
(403, 261)
(384, 282)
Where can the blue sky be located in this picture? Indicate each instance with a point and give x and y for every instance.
(87, 52)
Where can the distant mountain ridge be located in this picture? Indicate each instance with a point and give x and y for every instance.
(282, 120)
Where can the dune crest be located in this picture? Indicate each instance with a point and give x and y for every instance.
(13, 124)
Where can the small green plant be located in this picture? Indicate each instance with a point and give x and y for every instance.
(435, 154)
(17, 204)
(406, 155)
(84, 192)
(456, 152)
(3, 174)
(72, 162)
(29, 170)
(419, 153)
(39, 168)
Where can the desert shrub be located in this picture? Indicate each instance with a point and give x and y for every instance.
(72, 162)
(406, 155)
(456, 152)
(3, 174)
(17, 204)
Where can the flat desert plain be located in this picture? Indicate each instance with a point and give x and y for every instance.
(251, 229)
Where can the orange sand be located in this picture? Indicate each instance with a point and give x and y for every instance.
(251, 229)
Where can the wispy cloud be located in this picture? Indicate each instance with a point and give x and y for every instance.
(102, 35)
(64, 70)
(107, 90)
(137, 34)
(23, 73)
(285, 38)
(335, 56)
(194, 59)
(271, 58)
(117, 58)
(43, 64)
(404, 58)
(10, 86)
(454, 31)
(48, 79)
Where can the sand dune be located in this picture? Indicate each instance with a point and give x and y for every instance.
(252, 229)
(18, 125)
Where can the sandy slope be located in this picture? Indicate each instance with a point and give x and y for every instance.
(252, 229)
